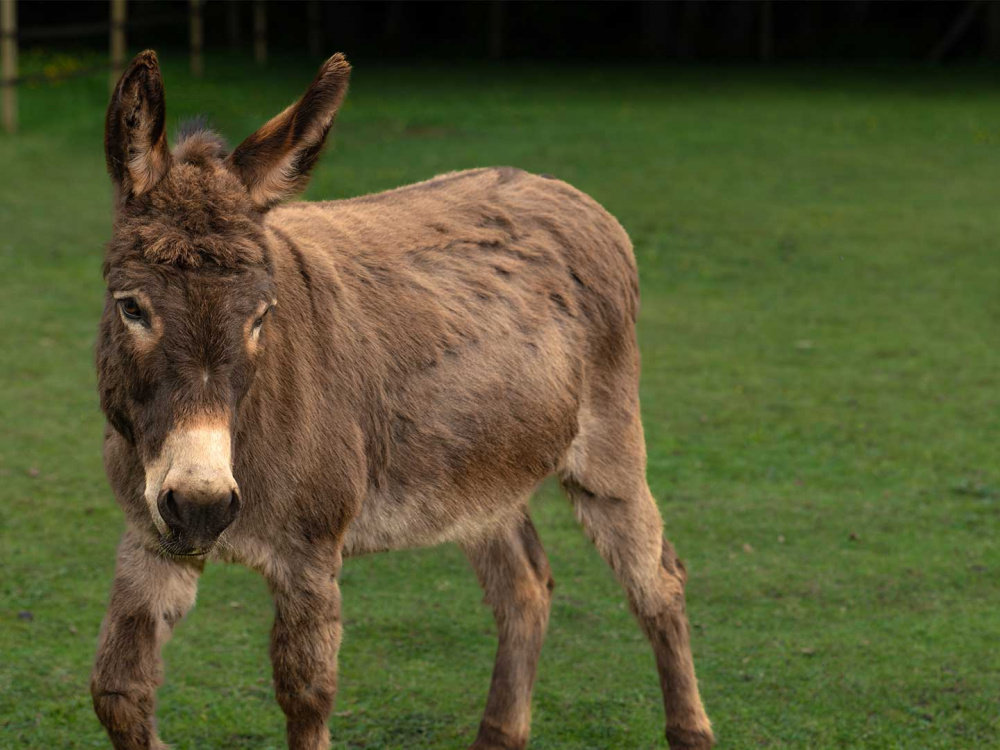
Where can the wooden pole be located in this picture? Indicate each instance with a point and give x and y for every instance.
(993, 31)
(196, 31)
(655, 28)
(8, 42)
(497, 13)
(765, 32)
(962, 23)
(690, 28)
(233, 24)
(259, 32)
(118, 14)
(315, 28)
(393, 23)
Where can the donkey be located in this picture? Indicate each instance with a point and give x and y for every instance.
(289, 385)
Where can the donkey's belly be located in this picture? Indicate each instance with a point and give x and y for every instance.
(470, 441)
(388, 522)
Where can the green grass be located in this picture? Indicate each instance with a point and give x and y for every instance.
(821, 392)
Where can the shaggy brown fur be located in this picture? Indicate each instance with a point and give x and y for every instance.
(431, 353)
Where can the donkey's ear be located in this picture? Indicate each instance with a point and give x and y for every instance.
(135, 139)
(274, 162)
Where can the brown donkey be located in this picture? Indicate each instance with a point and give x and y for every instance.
(289, 385)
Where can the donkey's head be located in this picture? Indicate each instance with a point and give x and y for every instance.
(189, 287)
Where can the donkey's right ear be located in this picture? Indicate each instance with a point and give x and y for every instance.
(135, 138)
(274, 163)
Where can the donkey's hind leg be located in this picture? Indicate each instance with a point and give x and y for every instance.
(605, 478)
(514, 572)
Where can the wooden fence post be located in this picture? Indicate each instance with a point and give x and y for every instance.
(393, 30)
(259, 32)
(315, 28)
(117, 30)
(233, 24)
(993, 32)
(196, 32)
(497, 13)
(691, 27)
(765, 32)
(655, 28)
(8, 42)
(962, 23)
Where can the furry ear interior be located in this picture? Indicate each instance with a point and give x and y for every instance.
(135, 138)
(274, 163)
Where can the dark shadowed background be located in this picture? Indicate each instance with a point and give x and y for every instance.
(629, 30)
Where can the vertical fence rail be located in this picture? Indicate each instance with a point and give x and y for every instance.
(765, 32)
(8, 53)
(233, 25)
(315, 11)
(196, 30)
(993, 32)
(117, 41)
(497, 13)
(259, 32)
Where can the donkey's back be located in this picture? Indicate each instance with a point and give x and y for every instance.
(479, 241)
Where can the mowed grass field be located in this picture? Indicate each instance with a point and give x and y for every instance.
(820, 260)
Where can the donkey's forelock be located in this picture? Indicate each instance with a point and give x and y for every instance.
(198, 215)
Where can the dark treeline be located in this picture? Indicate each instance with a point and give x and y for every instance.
(691, 30)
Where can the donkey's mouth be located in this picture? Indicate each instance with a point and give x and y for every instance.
(171, 546)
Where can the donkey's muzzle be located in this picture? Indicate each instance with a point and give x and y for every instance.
(196, 518)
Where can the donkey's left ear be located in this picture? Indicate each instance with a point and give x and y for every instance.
(135, 139)
(274, 162)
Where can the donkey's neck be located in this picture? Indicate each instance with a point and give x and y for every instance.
(319, 357)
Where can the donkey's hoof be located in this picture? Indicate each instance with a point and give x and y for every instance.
(690, 739)
(494, 736)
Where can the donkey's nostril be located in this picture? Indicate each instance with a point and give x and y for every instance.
(169, 511)
(171, 503)
(234, 506)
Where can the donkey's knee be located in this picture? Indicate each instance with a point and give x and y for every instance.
(303, 702)
(306, 708)
(117, 710)
(127, 717)
(657, 594)
(659, 591)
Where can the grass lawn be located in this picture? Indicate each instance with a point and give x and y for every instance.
(821, 385)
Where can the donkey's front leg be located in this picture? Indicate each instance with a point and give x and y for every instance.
(304, 644)
(150, 594)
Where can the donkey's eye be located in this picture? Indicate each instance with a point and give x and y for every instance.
(260, 320)
(130, 308)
